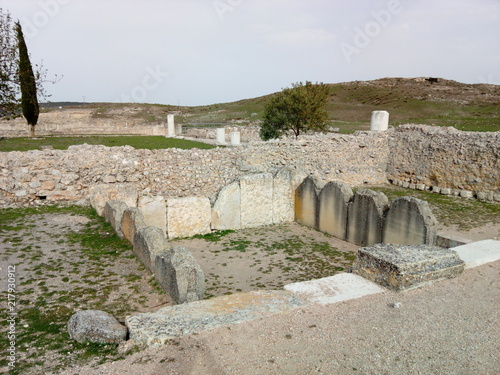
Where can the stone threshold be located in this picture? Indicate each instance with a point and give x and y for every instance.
(158, 328)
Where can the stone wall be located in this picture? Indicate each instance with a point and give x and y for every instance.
(428, 157)
(68, 175)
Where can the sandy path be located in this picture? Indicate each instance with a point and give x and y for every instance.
(450, 327)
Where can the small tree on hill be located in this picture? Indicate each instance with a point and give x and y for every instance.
(299, 109)
(27, 81)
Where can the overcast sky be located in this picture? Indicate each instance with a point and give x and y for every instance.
(194, 52)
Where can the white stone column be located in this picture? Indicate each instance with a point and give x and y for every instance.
(380, 121)
(170, 126)
(235, 138)
(221, 136)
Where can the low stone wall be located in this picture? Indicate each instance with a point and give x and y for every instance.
(68, 175)
(364, 218)
(445, 160)
(175, 269)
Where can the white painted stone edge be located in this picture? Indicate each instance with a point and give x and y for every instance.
(478, 253)
(333, 289)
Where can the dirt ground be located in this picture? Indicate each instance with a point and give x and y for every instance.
(449, 327)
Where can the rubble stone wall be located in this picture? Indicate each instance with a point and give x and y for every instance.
(428, 157)
(58, 175)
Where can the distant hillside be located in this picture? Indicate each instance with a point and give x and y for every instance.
(433, 101)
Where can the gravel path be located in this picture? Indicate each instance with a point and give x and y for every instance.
(450, 327)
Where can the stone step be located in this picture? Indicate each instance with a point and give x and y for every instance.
(478, 253)
(333, 289)
(156, 329)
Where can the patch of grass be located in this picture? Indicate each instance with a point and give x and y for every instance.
(214, 236)
(62, 143)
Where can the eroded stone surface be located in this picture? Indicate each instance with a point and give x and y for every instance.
(180, 275)
(409, 221)
(155, 329)
(96, 326)
(283, 197)
(226, 212)
(256, 200)
(132, 221)
(401, 267)
(333, 204)
(113, 213)
(154, 209)
(148, 243)
(100, 194)
(366, 217)
(187, 217)
(306, 202)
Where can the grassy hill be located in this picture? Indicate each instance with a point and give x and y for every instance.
(440, 102)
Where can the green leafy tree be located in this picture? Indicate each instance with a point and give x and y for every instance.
(298, 109)
(27, 82)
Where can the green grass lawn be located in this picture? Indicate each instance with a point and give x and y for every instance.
(62, 143)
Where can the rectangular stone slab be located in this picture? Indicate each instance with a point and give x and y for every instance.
(402, 267)
(155, 329)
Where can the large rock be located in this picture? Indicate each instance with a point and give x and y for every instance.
(113, 213)
(100, 194)
(283, 197)
(180, 275)
(366, 217)
(400, 267)
(132, 221)
(154, 209)
(188, 216)
(333, 204)
(256, 200)
(148, 243)
(306, 202)
(409, 221)
(96, 326)
(226, 211)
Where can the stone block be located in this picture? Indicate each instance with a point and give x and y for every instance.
(226, 211)
(100, 194)
(188, 216)
(409, 221)
(306, 202)
(235, 138)
(220, 136)
(379, 121)
(148, 243)
(333, 204)
(366, 217)
(402, 267)
(446, 191)
(283, 197)
(159, 328)
(170, 126)
(154, 209)
(96, 326)
(180, 275)
(466, 194)
(256, 200)
(436, 189)
(113, 213)
(132, 221)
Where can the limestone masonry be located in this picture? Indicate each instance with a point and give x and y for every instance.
(414, 156)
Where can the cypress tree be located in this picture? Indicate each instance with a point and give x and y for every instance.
(29, 101)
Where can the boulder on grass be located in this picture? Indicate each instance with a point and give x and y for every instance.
(96, 326)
